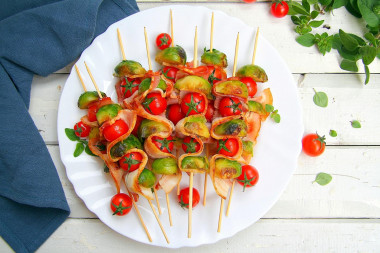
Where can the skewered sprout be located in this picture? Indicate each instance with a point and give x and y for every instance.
(235, 127)
(149, 127)
(172, 55)
(147, 178)
(256, 107)
(129, 68)
(196, 124)
(121, 148)
(232, 87)
(165, 166)
(248, 148)
(196, 84)
(255, 72)
(107, 112)
(87, 98)
(145, 85)
(194, 163)
(226, 168)
(215, 58)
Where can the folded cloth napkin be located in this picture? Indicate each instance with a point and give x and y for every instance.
(38, 37)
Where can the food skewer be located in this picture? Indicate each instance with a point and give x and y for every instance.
(171, 27)
(254, 49)
(158, 220)
(121, 44)
(212, 32)
(147, 49)
(205, 183)
(80, 78)
(93, 80)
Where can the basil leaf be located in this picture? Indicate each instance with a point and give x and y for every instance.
(348, 42)
(312, 1)
(298, 8)
(320, 98)
(323, 178)
(339, 3)
(367, 73)
(371, 38)
(349, 65)
(88, 151)
(296, 20)
(78, 149)
(70, 133)
(333, 133)
(356, 124)
(276, 117)
(306, 5)
(352, 8)
(314, 14)
(316, 23)
(325, 2)
(306, 40)
(368, 54)
(370, 17)
(269, 108)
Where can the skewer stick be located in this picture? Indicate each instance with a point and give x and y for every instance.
(254, 50)
(205, 184)
(171, 27)
(93, 80)
(121, 43)
(158, 220)
(169, 212)
(157, 201)
(236, 55)
(190, 204)
(147, 49)
(220, 214)
(80, 78)
(212, 32)
(229, 200)
(178, 185)
(195, 61)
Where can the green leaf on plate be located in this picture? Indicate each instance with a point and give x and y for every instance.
(269, 108)
(78, 149)
(70, 133)
(323, 178)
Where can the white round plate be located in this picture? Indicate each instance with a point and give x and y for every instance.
(275, 155)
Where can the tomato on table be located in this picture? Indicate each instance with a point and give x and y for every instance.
(131, 161)
(183, 197)
(210, 112)
(227, 147)
(170, 73)
(313, 144)
(154, 103)
(190, 145)
(164, 144)
(251, 85)
(193, 103)
(279, 8)
(163, 41)
(81, 129)
(115, 130)
(129, 86)
(248, 177)
(229, 106)
(174, 113)
(121, 204)
(217, 74)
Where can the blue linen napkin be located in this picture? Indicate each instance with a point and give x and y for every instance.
(38, 37)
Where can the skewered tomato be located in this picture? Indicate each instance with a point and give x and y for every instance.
(121, 204)
(170, 72)
(193, 103)
(174, 113)
(129, 86)
(163, 41)
(190, 145)
(313, 144)
(279, 8)
(91, 113)
(251, 85)
(164, 144)
(217, 74)
(131, 161)
(81, 129)
(137, 125)
(228, 147)
(229, 106)
(154, 103)
(249, 1)
(183, 197)
(115, 130)
(249, 176)
(210, 112)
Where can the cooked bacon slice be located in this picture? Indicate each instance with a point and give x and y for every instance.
(168, 182)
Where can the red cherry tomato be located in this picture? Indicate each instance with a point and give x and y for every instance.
(313, 144)
(164, 144)
(190, 145)
(174, 113)
(217, 74)
(91, 113)
(154, 103)
(183, 197)
(193, 103)
(163, 41)
(81, 129)
(228, 147)
(229, 106)
(137, 125)
(104, 101)
(210, 112)
(249, 1)
(129, 86)
(131, 161)
(115, 130)
(279, 9)
(121, 204)
(251, 85)
(248, 177)
(170, 73)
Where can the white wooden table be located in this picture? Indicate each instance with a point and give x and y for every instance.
(343, 216)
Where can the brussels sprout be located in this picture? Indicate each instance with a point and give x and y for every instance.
(162, 85)
(145, 85)
(236, 127)
(215, 58)
(256, 107)
(149, 127)
(166, 166)
(232, 87)
(88, 97)
(255, 72)
(94, 133)
(195, 83)
(172, 55)
(120, 148)
(107, 112)
(248, 147)
(129, 68)
(196, 124)
(195, 163)
(226, 168)
(147, 178)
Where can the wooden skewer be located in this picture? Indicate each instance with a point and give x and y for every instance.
(171, 27)
(121, 43)
(178, 185)
(190, 204)
(254, 50)
(147, 49)
(195, 61)
(169, 212)
(80, 78)
(212, 32)
(220, 214)
(158, 220)
(93, 80)
(205, 184)
(229, 199)
(236, 55)
(157, 201)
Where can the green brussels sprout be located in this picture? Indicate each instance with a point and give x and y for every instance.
(129, 68)
(145, 85)
(215, 58)
(196, 124)
(232, 87)
(226, 168)
(107, 112)
(88, 97)
(255, 72)
(256, 107)
(195, 83)
(248, 147)
(172, 55)
(195, 163)
(235, 127)
(121, 148)
(147, 178)
(149, 127)
(94, 133)
(162, 85)
(165, 166)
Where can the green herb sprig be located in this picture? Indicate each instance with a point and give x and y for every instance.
(82, 144)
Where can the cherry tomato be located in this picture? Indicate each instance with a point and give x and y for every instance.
(193, 103)
(229, 106)
(313, 144)
(248, 177)
(137, 125)
(131, 161)
(121, 204)
(251, 85)
(174, 113)
(129, 86)
(164, 144)
(81, 129)
(170, 73)
(91, 113)
(115, 130)
(210, 112)
(183, 197)
(190, 145)
(154, 103)
(217, 74)
(104, 101)
(279, 9)
(249, 1)
(163, 41)
(228, 147)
